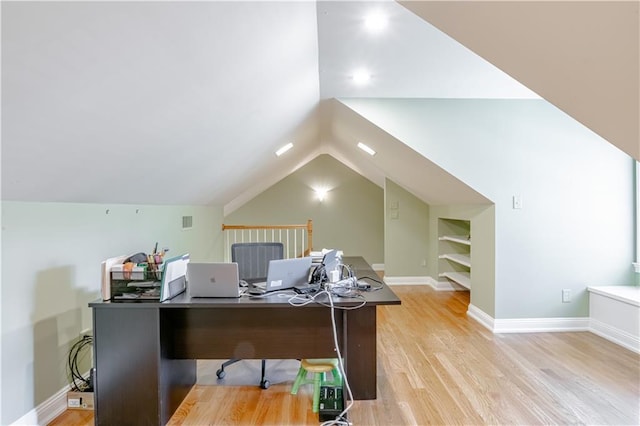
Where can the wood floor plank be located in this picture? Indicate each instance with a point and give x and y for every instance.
(436, 366)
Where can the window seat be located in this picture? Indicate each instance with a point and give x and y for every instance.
(614, 313)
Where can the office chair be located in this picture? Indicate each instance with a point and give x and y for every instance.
(253, 263)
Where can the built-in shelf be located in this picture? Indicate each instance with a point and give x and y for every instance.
(458, 258)
(462, 278)
(454, 251)
(461, 239)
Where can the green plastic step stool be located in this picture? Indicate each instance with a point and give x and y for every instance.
(319, 368)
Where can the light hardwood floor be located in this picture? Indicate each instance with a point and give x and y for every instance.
(436, 366)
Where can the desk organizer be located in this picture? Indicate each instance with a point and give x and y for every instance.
(139, 280)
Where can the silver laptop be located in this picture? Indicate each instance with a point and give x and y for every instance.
(213, 280)
(285, 274)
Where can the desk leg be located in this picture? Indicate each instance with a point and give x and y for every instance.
(361, 355)
(177, 376)
(135, 383)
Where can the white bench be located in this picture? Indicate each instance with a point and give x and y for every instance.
(614, 313)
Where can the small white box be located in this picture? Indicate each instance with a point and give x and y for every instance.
(80, 400)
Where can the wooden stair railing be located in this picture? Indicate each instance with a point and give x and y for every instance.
(297, 239)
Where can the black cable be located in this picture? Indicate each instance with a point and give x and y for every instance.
(78, 382)
(373, 288)
(73, 365)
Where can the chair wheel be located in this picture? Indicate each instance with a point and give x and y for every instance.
(220, 373)
(265, 384)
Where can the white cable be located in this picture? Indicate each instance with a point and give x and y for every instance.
(303, 300)
(298, 300)
(337, 420)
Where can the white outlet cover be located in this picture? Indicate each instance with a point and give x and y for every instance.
(517, 201)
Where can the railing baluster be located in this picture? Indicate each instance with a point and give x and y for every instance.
(293, 245)
(287, 243)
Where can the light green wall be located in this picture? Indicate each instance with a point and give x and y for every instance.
(483, 257)
(351, 218)
(51, 254)
(413, 237)
(575, 227)
(406, 243)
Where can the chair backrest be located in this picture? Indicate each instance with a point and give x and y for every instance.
(253, 259)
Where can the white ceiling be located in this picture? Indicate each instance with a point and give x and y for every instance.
(411, 59)
(185, 103)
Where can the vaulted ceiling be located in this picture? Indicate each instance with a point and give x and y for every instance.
(186, 102)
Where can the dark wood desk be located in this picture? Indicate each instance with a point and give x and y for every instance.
(144, 353)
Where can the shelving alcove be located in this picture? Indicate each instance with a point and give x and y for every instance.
(454, 251)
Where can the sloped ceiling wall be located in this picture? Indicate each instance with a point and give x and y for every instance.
(582, 56)
(154, 102)
(185, 102)
(395, 160)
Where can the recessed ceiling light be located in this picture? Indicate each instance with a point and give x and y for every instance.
(284, 149)
(366, 148)
(361, 77)
(375, 22)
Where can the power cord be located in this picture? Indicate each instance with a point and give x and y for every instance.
(341, 418)
(349, 287)
(306, 299)
(300, 300)
(78, 382)
(372, 287)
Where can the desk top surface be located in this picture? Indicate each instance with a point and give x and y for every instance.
(380, 294)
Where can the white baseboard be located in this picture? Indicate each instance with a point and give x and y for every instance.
(527, 325)
(479, 315)
(406, 280)
(447, 286)
(47, 411)
(615, 335)
(422, 280)
(540, 325)
(377, 267)
(549, 325)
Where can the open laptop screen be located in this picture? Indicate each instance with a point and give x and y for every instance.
(287, 273)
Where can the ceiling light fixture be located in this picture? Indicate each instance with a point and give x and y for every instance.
(284, 149)
(366, 148)
(375, 22)
(361, 77)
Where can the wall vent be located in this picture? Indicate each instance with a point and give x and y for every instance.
(187, 222)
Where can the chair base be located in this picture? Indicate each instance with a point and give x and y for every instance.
(264, 383)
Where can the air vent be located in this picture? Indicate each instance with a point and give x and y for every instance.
(187, 222)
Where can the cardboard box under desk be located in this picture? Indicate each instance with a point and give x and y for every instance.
(80, 400)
